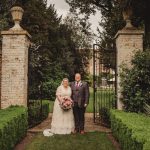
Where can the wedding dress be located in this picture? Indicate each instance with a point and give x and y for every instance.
(62, 121)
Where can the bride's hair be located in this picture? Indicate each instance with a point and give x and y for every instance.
(64, 79)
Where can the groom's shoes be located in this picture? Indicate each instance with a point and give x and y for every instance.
(82, 132)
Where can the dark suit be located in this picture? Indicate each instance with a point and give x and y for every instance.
(80, 96)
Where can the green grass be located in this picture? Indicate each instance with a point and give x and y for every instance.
(51, 104)
(104, 94)
(89, 141)
(105, 98)
(89, 108)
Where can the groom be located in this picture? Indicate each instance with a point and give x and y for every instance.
(80, 96)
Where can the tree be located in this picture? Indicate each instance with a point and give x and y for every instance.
(81, 30)
(82, 36)
(140, 9)
(50, 52)
(90, 6)
(135, 82)
(53, 53)
(111, 22)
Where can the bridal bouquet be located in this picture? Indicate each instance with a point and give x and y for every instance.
(66, 103)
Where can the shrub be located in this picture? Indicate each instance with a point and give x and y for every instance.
(43, 85)
(13, 126)
(49, 88)
(135, 82)
(105, 116)
(36, 113)
(132, 130)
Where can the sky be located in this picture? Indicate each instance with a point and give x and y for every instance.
(63, 8)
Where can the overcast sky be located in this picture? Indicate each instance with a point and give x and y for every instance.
(63, 8)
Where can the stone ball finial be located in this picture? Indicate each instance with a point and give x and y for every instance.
(17, 13)
(127, 13)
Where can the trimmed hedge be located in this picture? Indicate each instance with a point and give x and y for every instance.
(105, 116)
(13, 126)
(35, 114)
(132, 130)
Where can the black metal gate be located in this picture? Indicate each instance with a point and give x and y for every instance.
(104, 81)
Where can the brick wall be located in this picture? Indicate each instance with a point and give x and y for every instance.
(14, 69)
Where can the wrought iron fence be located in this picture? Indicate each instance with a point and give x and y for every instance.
(34, 112)
(104, 81)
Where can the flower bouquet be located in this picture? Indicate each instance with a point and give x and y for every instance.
(66, 103)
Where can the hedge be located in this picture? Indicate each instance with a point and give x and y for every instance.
(105, 116)
(13, 126)
(132, 130)
(35, 114)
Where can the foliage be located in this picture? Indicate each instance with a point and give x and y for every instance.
(81, 30)
(105, 116)
(89, 79)
(140, 17)
(112, 20)
(89, 108)
(91, 140)
(50, 54)
(13, 126)
(37, 112)
(131, 130)
(135, 82)
(3, 22)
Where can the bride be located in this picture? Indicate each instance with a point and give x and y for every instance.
(62, 121)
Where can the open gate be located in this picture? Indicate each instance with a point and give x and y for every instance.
(104, 81)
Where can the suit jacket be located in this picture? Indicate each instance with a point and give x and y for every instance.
(80, 94)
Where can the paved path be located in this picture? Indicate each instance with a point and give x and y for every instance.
(89, 127)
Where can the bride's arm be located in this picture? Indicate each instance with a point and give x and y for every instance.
(58, 94)
(59, 98)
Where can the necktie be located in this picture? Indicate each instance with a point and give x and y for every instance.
(77, 84)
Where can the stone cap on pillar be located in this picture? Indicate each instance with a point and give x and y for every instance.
(11, 32)
(133, 31)
(129, 29)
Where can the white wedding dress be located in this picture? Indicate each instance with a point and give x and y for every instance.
(62, 121)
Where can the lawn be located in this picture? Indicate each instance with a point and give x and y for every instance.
(103, 95)
(89, 108)
(105, 98)
(89, 141)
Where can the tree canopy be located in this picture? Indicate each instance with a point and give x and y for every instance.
(111, 14)
(54, 52)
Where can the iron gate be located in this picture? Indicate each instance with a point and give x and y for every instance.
(104, 81)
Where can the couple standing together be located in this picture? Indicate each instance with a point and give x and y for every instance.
(72, 120)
